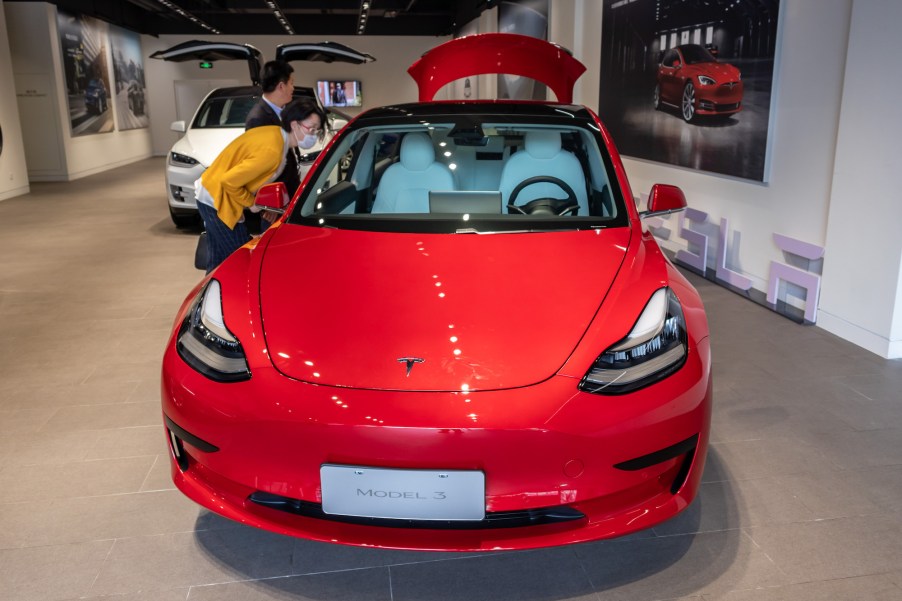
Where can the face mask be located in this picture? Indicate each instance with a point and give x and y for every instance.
(305, 143)
(308, 142)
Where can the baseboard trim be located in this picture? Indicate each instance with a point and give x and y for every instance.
(879, 345)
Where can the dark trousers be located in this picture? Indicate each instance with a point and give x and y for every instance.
(221, 241)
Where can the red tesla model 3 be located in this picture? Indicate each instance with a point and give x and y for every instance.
(691, 79)
(458, 336)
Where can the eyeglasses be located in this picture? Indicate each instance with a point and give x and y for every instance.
(313, 131)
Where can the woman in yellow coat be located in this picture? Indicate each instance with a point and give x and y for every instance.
(251, 160)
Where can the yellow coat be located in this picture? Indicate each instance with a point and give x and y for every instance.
(249, 161)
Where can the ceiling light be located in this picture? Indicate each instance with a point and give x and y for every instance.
(280, 16)
(364, 8)
(182, 12)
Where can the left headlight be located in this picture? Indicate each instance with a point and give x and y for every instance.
(654, 349)
(706, 81)
(181, 160)
(206, 344)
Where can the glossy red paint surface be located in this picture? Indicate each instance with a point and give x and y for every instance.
(513, 333)
(275, 432)
(497, 53)
(510, 323)
(664, 198)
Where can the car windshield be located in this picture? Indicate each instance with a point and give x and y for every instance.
(470, 174)
(231, 110)
(696, 54)
(224, 111)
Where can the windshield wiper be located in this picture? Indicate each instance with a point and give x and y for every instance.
(471, 230)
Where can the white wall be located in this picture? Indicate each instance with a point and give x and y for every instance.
(13, 171)
(384, 81)
(53, 154)
(584, 41)
(862, 297)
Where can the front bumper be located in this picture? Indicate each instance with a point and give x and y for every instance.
(180, 186)
(252, 451)
(719, 100)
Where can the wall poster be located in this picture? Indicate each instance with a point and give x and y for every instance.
(128, 74)
(83, 41)
(524, 17)
(688, 82)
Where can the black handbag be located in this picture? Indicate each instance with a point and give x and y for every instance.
(201, 253)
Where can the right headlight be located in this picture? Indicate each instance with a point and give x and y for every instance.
(181, 160)
(206, 344)
(654, 349)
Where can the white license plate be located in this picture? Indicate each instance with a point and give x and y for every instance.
(403, 494)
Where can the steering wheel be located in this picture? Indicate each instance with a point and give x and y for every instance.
(544, 206)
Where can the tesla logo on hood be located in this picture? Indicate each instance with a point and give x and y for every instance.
(410, 361)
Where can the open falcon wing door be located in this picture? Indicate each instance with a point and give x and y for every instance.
(506, 53)
(197, 50)
(327, 52)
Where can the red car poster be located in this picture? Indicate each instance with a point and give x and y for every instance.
(689, 83)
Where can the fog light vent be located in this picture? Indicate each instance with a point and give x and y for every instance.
(176, 435)
(177, 450)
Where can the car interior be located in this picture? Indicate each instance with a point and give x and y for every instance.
(444, 170)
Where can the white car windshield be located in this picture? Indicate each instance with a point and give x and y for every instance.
(224, 111)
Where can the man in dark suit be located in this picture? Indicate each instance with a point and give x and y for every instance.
(278, 86)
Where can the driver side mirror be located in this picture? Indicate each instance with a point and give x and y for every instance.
(272, 197)
(663, 200)
(178, 126)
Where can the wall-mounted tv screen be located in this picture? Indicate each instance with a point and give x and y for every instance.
(339, 92)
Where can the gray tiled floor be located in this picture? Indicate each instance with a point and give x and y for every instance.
(802, 496)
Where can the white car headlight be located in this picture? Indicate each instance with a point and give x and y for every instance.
(206, 344)
(706, 81)
(654, 349)
(181, 160)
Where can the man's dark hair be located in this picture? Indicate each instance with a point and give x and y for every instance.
(300, 109)
(274, 73)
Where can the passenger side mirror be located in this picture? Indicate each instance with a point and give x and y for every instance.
(178, 126)
(663, 200)
(272, 197)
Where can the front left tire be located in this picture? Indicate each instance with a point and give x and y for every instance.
(184, 220)
(687, 106)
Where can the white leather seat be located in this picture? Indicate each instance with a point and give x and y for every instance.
(405, 186)
(543, 155)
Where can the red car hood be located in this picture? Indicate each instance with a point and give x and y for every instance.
(471, 312)
(722, 72)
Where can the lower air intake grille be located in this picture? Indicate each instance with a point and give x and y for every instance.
(501, 519)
